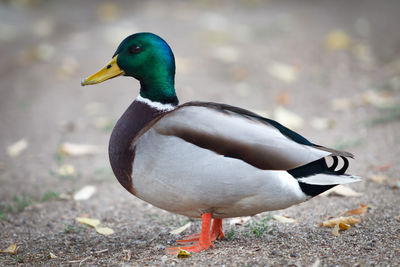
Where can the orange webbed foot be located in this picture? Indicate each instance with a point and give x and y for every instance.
(202, 241)
(188, 239)
(195, 247)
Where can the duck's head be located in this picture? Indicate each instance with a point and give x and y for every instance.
(147, 58)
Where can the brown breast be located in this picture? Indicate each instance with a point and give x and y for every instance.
(120, 149)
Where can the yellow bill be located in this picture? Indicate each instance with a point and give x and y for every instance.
(111, 70)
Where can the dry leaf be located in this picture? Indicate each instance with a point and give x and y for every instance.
(41, 52)
(379, 179)
(180, 229)
(12, 249)
(320, 123)
(343, 191)
(283, 72)
(337, 40)
(227, 54)
(108, 11)
(376, 99)
(288, 118)
(383, 167)
(284, 219)
(335, 230)
(183, 253)
(85, 193)
(342, 104)
(71, 149)
(359, 211)
(239, 220)
(66, 170)
(347, 220)
(340, 226)
(88, 221)
(344, 226)
(52, 256)
(240, 73)
(15, 149)
(43, 27)
(283, 98)
(104, 231)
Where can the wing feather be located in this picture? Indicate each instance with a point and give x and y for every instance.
(239, 134)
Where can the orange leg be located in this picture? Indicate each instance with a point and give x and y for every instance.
(200, 243)
(216, 230)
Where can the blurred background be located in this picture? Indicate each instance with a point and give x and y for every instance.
(327, 69)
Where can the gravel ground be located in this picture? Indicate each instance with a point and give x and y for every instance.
(333, 65)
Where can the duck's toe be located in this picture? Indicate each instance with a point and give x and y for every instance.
(194, 247)
(188, 239)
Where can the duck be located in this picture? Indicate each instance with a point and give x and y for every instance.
(203, 159)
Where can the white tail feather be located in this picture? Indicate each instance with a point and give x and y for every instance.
(326, 179)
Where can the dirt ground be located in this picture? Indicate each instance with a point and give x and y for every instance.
(329, 69)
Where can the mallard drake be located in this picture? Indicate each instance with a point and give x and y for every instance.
(204, 159)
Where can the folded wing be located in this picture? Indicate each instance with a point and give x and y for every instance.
(241, 134)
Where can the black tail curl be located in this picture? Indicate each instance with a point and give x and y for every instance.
(316, 167)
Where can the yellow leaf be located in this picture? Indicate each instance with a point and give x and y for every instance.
(66, 170)
(284, 219)
(344, 226)
(88, 221)
(337, 40)
(342, 104)
(347, 220)
(340, 226)
(12, 249)
(104, 231)
(180, 229)
(70, 149)
(183, 253)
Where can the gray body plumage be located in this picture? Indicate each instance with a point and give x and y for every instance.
(180, 164)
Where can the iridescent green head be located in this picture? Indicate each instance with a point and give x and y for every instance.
(149, 59)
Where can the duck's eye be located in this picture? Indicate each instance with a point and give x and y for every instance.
(135, 49)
